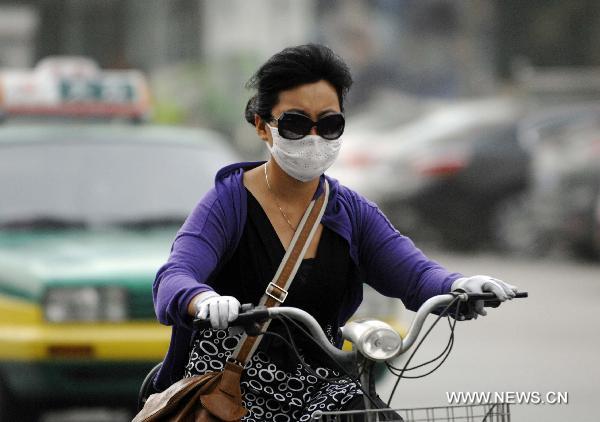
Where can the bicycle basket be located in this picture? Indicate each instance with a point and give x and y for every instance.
(488, 412)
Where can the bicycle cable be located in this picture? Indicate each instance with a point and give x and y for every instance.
(448, 345)
(400, 376)
(445, 354)
(430, 371)
(447, 350)
(391, 368)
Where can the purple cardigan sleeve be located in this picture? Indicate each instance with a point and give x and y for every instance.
(196, 251)
(394, 266)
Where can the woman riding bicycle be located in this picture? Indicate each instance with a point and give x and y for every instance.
(230, 247)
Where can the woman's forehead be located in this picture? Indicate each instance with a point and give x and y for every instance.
(312, 98)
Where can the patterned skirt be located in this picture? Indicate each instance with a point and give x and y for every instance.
(271, 391)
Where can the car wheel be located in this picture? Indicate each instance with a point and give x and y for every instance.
(11, 410)
(514, 229)
(8, 408)
(6, 411)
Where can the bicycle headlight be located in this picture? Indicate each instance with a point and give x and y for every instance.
(373, 338)
(85, 304)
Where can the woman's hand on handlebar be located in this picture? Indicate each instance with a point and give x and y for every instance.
(221, 310)
(484, 283)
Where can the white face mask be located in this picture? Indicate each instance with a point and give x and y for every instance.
(306, 158)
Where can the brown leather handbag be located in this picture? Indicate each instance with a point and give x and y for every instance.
(216, 396)
(211, 397)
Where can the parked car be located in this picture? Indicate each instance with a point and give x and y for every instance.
(561, 209)
(443, 174)
(87, 216)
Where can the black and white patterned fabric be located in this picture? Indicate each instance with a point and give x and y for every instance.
(272, 392)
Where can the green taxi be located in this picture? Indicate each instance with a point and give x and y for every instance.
(87, 215)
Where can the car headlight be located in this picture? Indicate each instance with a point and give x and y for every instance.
(373, 338)
(85, 304)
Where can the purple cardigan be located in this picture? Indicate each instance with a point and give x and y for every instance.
(388, 261)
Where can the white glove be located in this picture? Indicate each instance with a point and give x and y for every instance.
(485, 283)
(220, 309)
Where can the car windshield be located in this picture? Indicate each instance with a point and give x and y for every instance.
(103, 182)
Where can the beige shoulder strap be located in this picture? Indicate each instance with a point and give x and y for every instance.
(277, 289)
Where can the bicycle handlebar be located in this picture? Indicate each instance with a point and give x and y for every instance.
(490, 298)
(251, 317)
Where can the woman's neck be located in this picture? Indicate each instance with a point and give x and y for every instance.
(286, 188)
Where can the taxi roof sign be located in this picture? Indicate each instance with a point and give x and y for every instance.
(68, 66)
(73, 86)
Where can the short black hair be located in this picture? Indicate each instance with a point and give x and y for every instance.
(292, 67)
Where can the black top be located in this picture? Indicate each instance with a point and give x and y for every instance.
(318, 288)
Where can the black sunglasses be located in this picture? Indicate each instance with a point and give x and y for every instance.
(295, 125)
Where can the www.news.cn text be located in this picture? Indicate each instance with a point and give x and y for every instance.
(510, 397)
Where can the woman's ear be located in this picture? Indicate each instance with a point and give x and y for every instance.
(261, 128)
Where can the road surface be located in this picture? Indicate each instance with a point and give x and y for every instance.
(548, 343)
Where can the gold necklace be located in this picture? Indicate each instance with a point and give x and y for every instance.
(287, 220)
